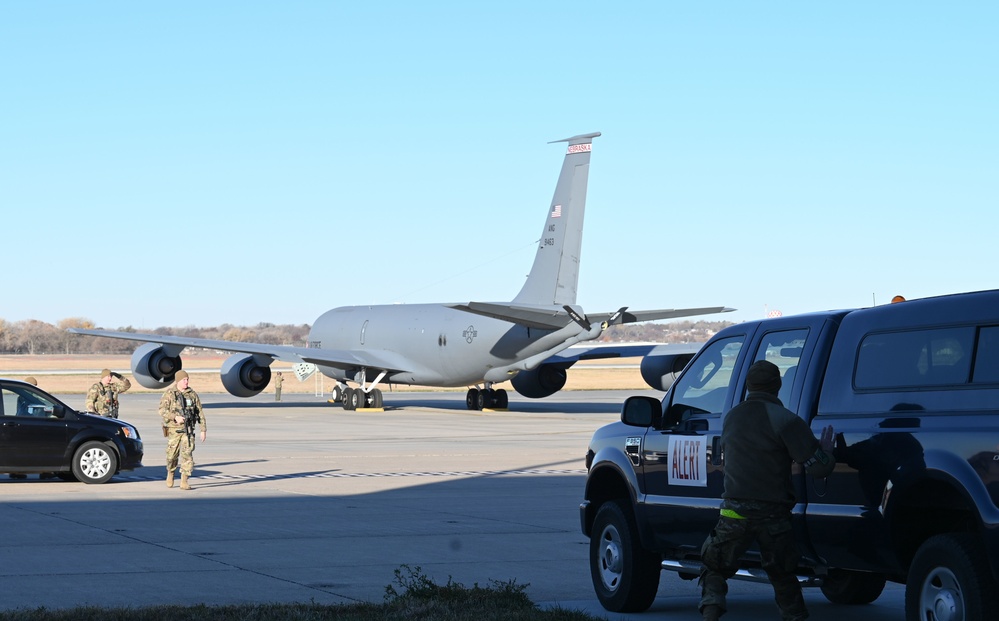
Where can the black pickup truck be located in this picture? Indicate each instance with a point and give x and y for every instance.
(912, 391)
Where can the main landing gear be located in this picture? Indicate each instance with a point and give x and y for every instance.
(486, 398)
(355, 398)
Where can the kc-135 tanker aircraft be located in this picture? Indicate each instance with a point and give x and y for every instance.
(525, 341)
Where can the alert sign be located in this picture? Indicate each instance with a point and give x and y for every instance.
(688, 461)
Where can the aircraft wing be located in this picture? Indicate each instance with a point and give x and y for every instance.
(571, 355)
(337, 358)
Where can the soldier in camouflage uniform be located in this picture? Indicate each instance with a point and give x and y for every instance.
(102, 398)
(760, 439)
(179, 400)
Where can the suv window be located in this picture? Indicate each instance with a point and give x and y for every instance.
(784, 350)
(915, 358)
(987, 357)
(22, 401)
(702, 388)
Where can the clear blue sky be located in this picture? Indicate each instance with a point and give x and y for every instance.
(199, 163)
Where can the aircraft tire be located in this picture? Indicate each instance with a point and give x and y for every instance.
(502, 400)
(376, 398)
(482, 402)
(358, 399)
(348, 398)
(472, 399)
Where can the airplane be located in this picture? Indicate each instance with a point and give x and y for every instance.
(525, 341)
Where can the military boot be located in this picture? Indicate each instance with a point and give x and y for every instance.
(170, 478)
(711, 612)
(183, 481)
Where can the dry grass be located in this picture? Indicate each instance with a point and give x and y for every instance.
(419, 598)
(75, 374)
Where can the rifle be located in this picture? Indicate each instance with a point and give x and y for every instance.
(190, 417)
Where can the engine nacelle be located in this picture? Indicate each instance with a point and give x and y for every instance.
(154, 365)
(540, 382)
(244, 375)
(660, 370)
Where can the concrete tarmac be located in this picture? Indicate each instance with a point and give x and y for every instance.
(301, 501)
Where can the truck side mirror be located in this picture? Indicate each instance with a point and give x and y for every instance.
(640, 411)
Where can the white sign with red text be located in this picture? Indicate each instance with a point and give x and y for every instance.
(688, 461)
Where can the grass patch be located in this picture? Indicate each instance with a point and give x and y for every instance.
(412, 597)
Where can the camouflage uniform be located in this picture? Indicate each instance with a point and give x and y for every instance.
(742, 523)
(103, 400)
(278, 380)
(180, 447)
(760, 439)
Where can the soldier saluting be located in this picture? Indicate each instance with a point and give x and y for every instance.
(102, 398)
(180, 409)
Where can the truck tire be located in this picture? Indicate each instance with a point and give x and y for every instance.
(843, 586)
(950, 580)
(625, 575)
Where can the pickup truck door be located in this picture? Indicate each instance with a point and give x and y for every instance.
(684, 466)
(683, 479)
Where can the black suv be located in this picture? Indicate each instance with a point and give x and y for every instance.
(40, 434)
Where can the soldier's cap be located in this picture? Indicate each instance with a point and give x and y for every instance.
(763, 376)
(31, 380)
(180, 375)
(105, 373)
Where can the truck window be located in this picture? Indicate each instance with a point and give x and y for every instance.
(915, 358)
(987, 357)
(784, 349)
(702, 388)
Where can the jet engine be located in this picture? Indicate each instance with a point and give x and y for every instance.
(660, 370)
(545, 380)
(245, 375)
(154, 365)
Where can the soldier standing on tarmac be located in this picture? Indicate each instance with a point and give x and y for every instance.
(278, 380)
(180, 409)
(761, 438)
(102, 399)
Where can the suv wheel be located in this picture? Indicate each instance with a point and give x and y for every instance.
(625, 575)
(94, 462)
(950, 580)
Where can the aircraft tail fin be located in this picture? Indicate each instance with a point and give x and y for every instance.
(555, 273)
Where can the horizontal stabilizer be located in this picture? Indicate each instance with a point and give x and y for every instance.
(629, 316)
(541, 317)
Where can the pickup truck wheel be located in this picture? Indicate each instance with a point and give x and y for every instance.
(625, 575)
(843, 586)
(950, 580)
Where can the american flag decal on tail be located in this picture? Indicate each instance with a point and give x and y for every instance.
(557, 211)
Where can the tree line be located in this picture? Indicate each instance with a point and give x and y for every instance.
(32, 337)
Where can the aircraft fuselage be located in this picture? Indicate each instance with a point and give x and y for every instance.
(434, 344)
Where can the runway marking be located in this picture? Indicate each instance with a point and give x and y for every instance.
(360, 475)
